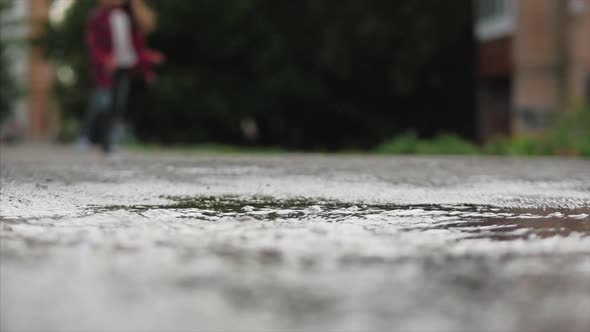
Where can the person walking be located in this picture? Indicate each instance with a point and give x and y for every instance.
(115, 37)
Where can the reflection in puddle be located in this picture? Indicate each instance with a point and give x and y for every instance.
(470, 220)
(526, 224)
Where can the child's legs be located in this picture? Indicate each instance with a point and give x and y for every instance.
(100, 103)
(119, 92)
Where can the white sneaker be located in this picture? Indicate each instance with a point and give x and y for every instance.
(82, 144)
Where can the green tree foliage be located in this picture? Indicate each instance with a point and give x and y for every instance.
(313, 74)
(8, 89)
(66, 46)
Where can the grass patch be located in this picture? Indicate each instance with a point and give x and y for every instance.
(570, 136)
(409, 143)
(205, 148)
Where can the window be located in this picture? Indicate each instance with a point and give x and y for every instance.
(494, 18)
(488, 9)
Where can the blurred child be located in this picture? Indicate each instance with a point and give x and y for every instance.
(115, 38)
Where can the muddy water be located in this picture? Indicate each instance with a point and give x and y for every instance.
(305, 243)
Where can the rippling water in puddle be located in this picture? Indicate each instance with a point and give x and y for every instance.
(470, 220)
(301, 231)
(230, 263)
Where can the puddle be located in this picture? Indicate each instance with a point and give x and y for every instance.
(301, 260)
(472, 221)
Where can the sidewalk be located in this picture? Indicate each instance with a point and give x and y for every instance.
(169, 241)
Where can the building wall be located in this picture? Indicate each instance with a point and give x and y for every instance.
(43, 116)
(539, 83)
(33, 116)
(494, 27)
(578, 48)
(544, 58)
(551, 55)
(494, 87)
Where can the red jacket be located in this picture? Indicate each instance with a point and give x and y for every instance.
(100, 46)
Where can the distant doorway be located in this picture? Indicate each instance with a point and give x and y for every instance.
(494, 100)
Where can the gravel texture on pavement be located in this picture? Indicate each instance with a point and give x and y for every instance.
(182, 242)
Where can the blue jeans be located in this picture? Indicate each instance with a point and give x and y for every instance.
(106, 104)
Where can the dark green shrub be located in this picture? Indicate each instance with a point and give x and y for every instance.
(8, 88)
(312, 74)
(408, 143)
(405, 143)
(571, 135)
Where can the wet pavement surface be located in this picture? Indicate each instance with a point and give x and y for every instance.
(172, 242)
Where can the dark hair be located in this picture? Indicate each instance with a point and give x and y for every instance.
(129, 10)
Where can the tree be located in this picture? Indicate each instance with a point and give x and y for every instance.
(313, 74)
(8, 89)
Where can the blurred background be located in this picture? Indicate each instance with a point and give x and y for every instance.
(404, 76)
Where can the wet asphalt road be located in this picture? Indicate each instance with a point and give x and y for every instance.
(166, 241)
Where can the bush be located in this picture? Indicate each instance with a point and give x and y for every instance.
(408, 143)
(405, 143)
(517, 146)
(570, 136)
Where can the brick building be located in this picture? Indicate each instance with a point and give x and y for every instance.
(34, 116)
(533, 62)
